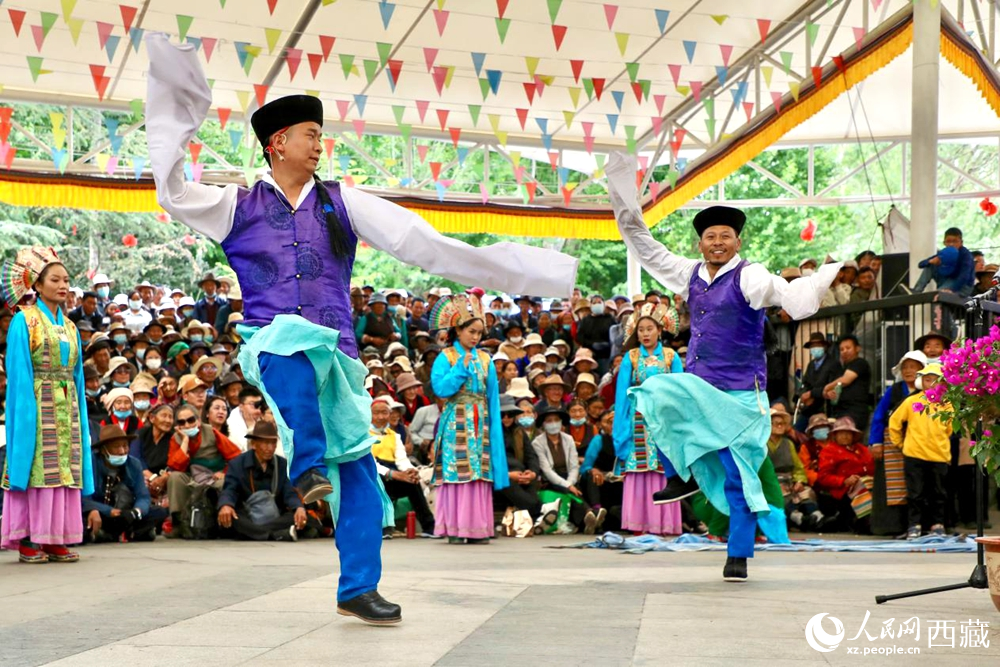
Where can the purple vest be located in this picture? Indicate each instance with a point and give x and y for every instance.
(727, 335)
(284, 264)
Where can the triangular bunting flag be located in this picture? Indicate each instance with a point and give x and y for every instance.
(223, 114)
(208, 45)
(689, 48)
(768, 73)
(456, 134)
(442, 115)
(474, 110)
(477, 61)
(763, 27)
(622, 39)
(776, 99)
(661, 19)
(183, 25)
(260, 91)
(441, 19)
(522, 116)
(727, 51)
(719, 18)
(326, 43)
(859, 37)
(610, 12)
(128, 16)
(554, 6)
(574, 96)
(558, 35)
(386, 9)
(430, 55)
(502, 26)
(812, 31)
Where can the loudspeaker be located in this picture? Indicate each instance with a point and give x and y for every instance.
(895, 272)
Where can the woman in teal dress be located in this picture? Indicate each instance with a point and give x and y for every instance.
(470, 461)
(48, 466)
(644, 357)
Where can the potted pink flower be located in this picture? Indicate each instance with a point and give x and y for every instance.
(972, 388)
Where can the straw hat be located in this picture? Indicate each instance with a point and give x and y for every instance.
(519, 388)
(553, 381)
(585, 378)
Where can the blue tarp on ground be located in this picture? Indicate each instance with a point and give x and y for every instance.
(645, 543)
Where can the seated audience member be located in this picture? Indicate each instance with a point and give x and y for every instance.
(257, 502)
(583, 362)
(422, 429)
(801, 506)
(952, 268)
(580, 428)
(151, 447)
(926, 449)
(216, 413)
(586, 387)
(845, 475)
(553, 391)
(401, 479)
(557, 459)
(193, 391)
(247, 413)
(197, 459)
(231, 386)
(522, 467)
(119, 507)
(396, 419)
(933, 345)
(408, 389)
(603, 487)
(595, 410)
(889, 488)
(817, 436)
(119, 404)
(166, 392)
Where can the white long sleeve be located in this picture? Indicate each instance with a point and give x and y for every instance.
(505, 267)
(800, 298)
(670, 270)
(177, 101)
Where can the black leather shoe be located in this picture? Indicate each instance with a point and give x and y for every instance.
(313, 486)
(371, 608)
(675, 490)
(735, 570)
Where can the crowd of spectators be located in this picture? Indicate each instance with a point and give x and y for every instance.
(185, 447)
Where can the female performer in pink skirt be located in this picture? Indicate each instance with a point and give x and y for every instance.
(470, 460)
(644, 357)
(48, 442)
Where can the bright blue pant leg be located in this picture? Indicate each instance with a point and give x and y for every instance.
(292, 386)
(291, 382)
(668, 467)
(742, 522)
(359, 530)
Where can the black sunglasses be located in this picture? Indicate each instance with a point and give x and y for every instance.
(187, 422)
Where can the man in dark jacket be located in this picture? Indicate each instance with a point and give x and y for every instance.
(87, 310)
(522, 466)
(257, 470)
(820, 370)
(207, 308)
(120, 504)
(594, 332)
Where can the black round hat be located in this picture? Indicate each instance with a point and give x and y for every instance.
(285, 112)
(719, 215)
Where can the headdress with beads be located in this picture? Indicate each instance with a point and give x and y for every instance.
(455, 311)
(662, 315)
(18, 276)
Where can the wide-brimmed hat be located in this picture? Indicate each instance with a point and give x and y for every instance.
(790, 272)
(559, 343)
(263, 430)
(393, 347)
(190, 382)
(533, 339)
(552, 351)
(230, 378)
(914, 355)
(585, 378)
(101, 279)
(209, 277)
(779, 411)
(402, 362)
(193, 324)
(508, 403)
(500, 356)
(581, 305)
(920, 342)
(111, 433)
(552, 410)
(537, 359)
(989, 269)
(375, 363)
(377, 297)
(583, 354)
(116, 363)
(406, 381)
(845, 424)
(144, 383)
(518, 388)
(817, 338)
(552, 381)
(817, 420)
(206, 360)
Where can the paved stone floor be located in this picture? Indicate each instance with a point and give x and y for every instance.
(513, 602)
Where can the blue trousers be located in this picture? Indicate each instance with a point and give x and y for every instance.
(291, 382)
(742, 522)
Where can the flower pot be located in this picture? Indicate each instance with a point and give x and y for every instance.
(992, 547)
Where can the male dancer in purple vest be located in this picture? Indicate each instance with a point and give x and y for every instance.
(712, 422)
(291, 240)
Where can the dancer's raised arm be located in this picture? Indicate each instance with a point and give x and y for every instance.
(670, 270)
(178, 99)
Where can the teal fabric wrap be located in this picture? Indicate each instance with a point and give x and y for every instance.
(690, 420)
(345, 406)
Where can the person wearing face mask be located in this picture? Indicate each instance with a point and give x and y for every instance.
(142, 388)
(119, 376)
(470, 461)
(118, 334)
(120, 505)
(594, 332)
(185, 310)
(150, 447)
(48, 463)
(101, 286)
(821, 368)
(817, 436)
(889, 486)
(603, 485)
(513, 344)
(198, 457)
(93, 388)
(523, 470)
(807, 267)
(121, 411)
(580, 428)
(401, 478)
(152, 363)
(207, 307)
(560, 468)
(136, 317)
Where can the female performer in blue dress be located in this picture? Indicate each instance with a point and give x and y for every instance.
(469, 456)
(644, 357)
